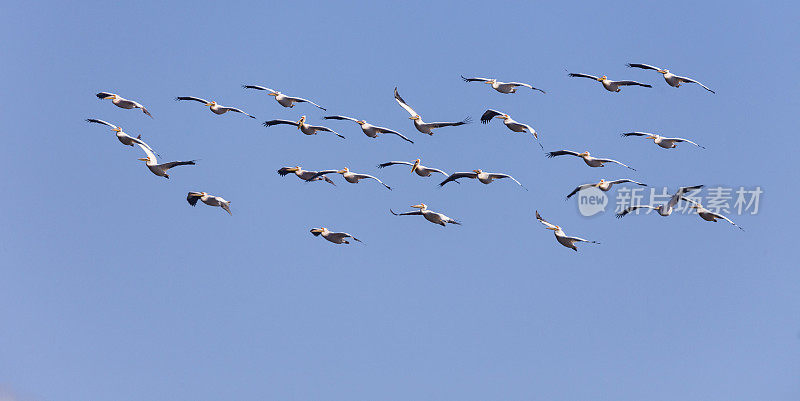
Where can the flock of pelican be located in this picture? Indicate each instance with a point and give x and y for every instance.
(373, 131)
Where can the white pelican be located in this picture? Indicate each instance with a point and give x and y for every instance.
(302, 126)
(215, 108)
(562, 237)
(160, 169)
(423, 127)
(708, 215)
(421, 170)
(664, 142)
(370, 130)
(349, 176)
(589, 160)
(664, 209)
(488, 115)
(209, 200)
(430, 215)
(304, 175)
(672, 79)
(123, 103)
(122, 136)
(603, 185)
(502, 87)
(482, 176)
(336, 238)
(611, 86)
(283, 100)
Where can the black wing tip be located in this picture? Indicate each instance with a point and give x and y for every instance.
(550, 155)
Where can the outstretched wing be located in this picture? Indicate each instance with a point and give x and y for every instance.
(488, 115)
(561, 153)
(235, 110)
(578, 189)
(320, 173)
(526, 85)
(497, 176)
(417, 213)
(167, 166)
(617, 162)
(455, 124)
(340, 118)
(226, 206)
(684, 140)
(685, 79)
(301, 100)
(456, 176)
(632, 83)
(627, 134)
(632, 208)
(475, 79)
(326, 129)
(643, 66)
(543, 221)
(193, 197)
(624, 180)
(261, 88)
(94, 120)
(365, 176)
(392, 163)
(579, 75)
(196, 99)
(276, 122)
(679, 195)
(390, 131)
(403, 103)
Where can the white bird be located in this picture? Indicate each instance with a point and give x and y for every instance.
(122, 136)
(708, 215)
(430, 215)
(611, 86)
(562, 237)
(488, 115)
(603, 185)
(160, 169)
(302, 126)
(589, 160)
(664, 142)
(672, 79)
(215, 108)
(209, 200)
(122, 102)
(336, 238)
(421, 170)
(370, 130)
(304, 175)
(502, 87)
(664, 209)
(349, 176)
(283, 100)
(481, 176)
(423, 127)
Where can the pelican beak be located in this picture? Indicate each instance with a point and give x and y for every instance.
(118, 129)
(210, 104)
(272, 94)
(601, 79)
(109, 97)
(650, 137)
(417, 206)
(143, 159)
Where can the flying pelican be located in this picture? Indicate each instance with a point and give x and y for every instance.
(122, 136)
(215, 108)
(502, 87)
(603, 185)
(209, 200)
(672, 79)
(421, 170)
(664, 142)
(423, 127)
(302, 126)
(122, 102)
(708, 215)
(488, 115)
(349, 176)
(482, 176)
(611, 86)
(283, 100)
(160, 169)
(430, 215)
(370, 130)
(664, 209)
(589, 160)
(304, 175)
(562, 237)
(336, 238)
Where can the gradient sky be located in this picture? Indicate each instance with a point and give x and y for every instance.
(114, 288)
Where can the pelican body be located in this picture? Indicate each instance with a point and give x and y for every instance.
(611, 86)
(664, 142)
(416, 167)
(209, 200)
(283, 100)
(561, 236)
(350, 176)
(488, 115)
(480, 175)
(124, 138)
(603, 185)
(213, 106)
(369, 130)
(422, 126)
(502, 87)
(336, 238)
(304, 175)
(665, 209)
(303, 126)
(672, 80)
(587, 158)
(122, 102)
(433, 217)
(160, 169)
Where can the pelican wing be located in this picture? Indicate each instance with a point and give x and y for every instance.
(94, 120)
(578, 239)
(456, 176)
(392, 163)
(614, 161)
(689, 80)
(391, 131)
(561, 153)
(226, 206)
(403, 104)
(679, 195)
(579, 75)
(301, 100)
(235, 110)
(632, 208)
(196, 99)
(488, 115)
(144, 110)
(578, 189)
(340, 118)
(339, 236)
(103, 95)
(526, 85)
(436, 170)
(624, 180)
(543, 221)
(261, 88)
(321, 173)
(417, 213)
(719, 216)
(455, 124)
(147, 151)
(643, 66)
(284, 171)
(326, 129)
(364, 176)
(627, 134)
(193, 197)
(684, 140)
(167, 166)
(474, 79)
(276, 122)
(632, 83)
(498, 176)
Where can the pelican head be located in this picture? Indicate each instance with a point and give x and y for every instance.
(602, 181)
(301, 121)
(211, 104)
(273, 94)
(361, 122)
(584, 154)
(603, 78)
(554, 228)
(416, 164)
(664, 71)
(490, 81)
(421, 206)
(112, 97)
(478, 171)
(504, 116)
(344, 170)
(118, 129)
(144, 159)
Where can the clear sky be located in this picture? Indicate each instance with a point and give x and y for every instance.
(114, 288)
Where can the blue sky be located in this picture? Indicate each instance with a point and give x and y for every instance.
(115, 288)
